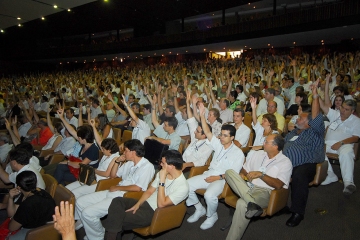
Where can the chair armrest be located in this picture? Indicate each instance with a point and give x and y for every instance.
(56, 158)
(167, 218)
(44, 153)
(44, 232)
(278, 200)
(194, 171)
(245, 149)
(321, 173)
(105, 184)
(135, 195)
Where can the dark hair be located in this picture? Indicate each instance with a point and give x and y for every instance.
(340, 88)
(27, 181)
(291, 79)
(45, 98)
(103, 121)
(181, 87)
(234, 94)
(58, 126)
(301, 88)
(173, 157)
(202, 130)
(148, 107)
(305, 107)
(226, 101)
(96, 101)
(270, 90)
(279, 142)
(110, 144)
(27, 147)
(135, 104)
(230, 128)
(264, 83)
(71, 110)
(272, 120)
(172, 122)
(240, 110)
(132, 95)
(303, 96)
(20, 155)
(86, 132)
(171, 109)
(240, 87)
(135, 145)
(339, 96)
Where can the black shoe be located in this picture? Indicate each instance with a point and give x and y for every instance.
(294, 220)
(253, 210)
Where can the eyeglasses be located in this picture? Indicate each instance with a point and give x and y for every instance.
(223, 135)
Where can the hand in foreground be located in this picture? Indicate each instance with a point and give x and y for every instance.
(64, 220)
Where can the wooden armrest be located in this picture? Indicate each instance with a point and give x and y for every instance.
(56, 158)
(44, 232)
(245, 149)
(278, 200)
(105, 184)
(135, 195)
(44, 153)
(194, 171)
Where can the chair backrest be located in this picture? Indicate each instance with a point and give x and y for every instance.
(117, 135)
(248, 120)
(182, 145)
(50, 184)
(127, 135)
(63, 194)
(154, 150)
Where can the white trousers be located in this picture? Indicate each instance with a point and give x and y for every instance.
(213, 190)
(80, 190)
(91, 207)
(346, 159)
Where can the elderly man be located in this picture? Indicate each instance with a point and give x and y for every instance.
(305, 148)
(272, 109)
(227, 156)
(341, 135)
(109, 110)
(262, 172)
(269, 96)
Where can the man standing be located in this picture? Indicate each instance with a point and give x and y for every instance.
(227, 156)
(262, 172)
(169, 188)
(341, 135)
(305, 148)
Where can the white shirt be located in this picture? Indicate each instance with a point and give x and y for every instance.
(224, 159)
(279, 167)
(141, 131)
(4, 150)
(104, 164)
(24, 128)
(182, 128)
(95, 112)
(65, 145)
(242, 97)
(242, 134)
(74, 121)
(51, 141)
(110, 114)
(225, 115)
(262, 106)
(198, 151)
(40, 181)
(177, 190)
(139, 175)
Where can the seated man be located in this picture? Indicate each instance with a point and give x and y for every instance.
(242, 131)
(264, 171)
(169, 188)
(227, 156)
(272, 109)
(198, 151)
(136, 174)
(341, 135)
(304, 146)
(165, 133)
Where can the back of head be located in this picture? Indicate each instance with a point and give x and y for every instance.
(27, 147)
(21, 156)
(173, 157)
(135, 145)
(86, 132)
(27, 181)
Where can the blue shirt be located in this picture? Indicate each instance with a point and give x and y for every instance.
(308, 147)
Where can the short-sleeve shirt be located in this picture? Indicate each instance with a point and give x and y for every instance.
(65, 145)
(92, 153)
(139, 174)
(279, 167)
(35, 210)
(224, 159)
(279, 119)
(242, 134)
(308, 146)
(177, 190)
(44, 136)
(175, 139)
(182, 127)
(104, 164)
(259, 132)
(40, 181)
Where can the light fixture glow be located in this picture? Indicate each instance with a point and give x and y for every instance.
(18, 18)
(55, 6)
(69, 10)
(1, 30)
(42, 18)
(19, 25)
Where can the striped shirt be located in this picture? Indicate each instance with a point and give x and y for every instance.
(308, 146)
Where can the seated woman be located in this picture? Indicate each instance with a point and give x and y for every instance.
(32, 208)
(89, 153)
(299, 99)
(111, 151)
(102, 124)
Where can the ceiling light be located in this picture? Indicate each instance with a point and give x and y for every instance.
(55, 6)
(204, 49)
(1, 30)
(69, 10)
(352, 39)
(248, 3)
(254, 6)
(106, 0)
(18, 18)
(322, 40)
(294, 42)
(186, 51)
(19, 25)
(269, 44)
(170, 52)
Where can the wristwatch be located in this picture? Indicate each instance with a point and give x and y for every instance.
(221, 177)
(162, 184)
(263, 174)
(342, 143)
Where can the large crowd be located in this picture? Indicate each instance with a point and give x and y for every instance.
(280, 111)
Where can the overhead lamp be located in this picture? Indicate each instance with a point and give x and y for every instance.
(18, 18)
(69, 10)
(19, 25)
(269, 44)
(1, 30)
(42, 18)
(55, 6)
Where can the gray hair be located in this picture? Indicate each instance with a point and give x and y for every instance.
(351, 103)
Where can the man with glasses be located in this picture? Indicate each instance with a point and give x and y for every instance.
(341, 135)
(227, 156)
(264, 171)
(272, 109)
